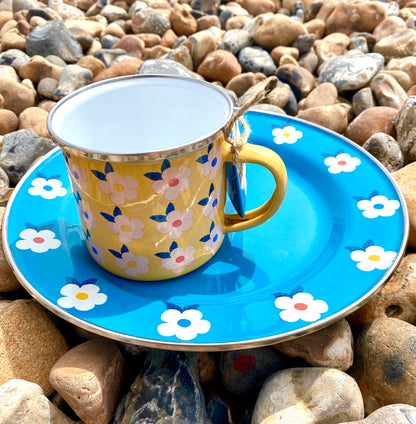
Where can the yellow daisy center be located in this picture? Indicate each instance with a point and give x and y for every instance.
(125, 228)
(374, 258)
(118, 187)
(131, 264)
(82, 296)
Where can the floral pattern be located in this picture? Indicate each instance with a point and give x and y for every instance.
(48, 188)
(300, 306)
(213, 239)
(175, 222)
(377, 205)
(211, 162)
(96, 251)
(370, 257)
(341, 162)
(88, 216)
(287, 134)
(131, 264)
(127, 229)
(170, 181)
(184, 323)
(83, 296)
(121, 189)
(37, 239)
(211, 203)
(177, 258)
(77, 173)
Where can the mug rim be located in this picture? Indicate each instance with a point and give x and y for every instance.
(146, 156)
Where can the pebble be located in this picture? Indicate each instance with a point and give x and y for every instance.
(307, 395)
(330, 347)
(397, 45)
(113, 13)
(34, 119)
(242, 82)
(300, 80)
(370, 121)
(163, 66)
(30, 343)
(349, 17)
(131, 44)
(280, 95)
(363, 99)
(89, 377)
(405, 128)
(385, 367)
(256, 59)
(200, 44)
(170, 377)
(351, 72)
(278, 30)
(17, 97)
(243, 372)
(324, 94)
(258, 7)
(23, 402)
(53, 38)
(72, 77)
(19, 150)
(149, 20)
(406, 180)
(405, 64)
(388, 92)
(333, 117)
(389, 26)
(15, 58)
(331, 46)
(92, 63)
(182, 21)
(398, 414)
(219, 65)
(235, 40)
(8, 121)
(386, 150)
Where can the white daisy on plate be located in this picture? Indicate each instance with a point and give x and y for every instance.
(38, 240)
(342, 162)
(82, 297)
(301, 306)
(373, 257)
(287, 134)
(378, 205)
(47, 188)
(185, 324)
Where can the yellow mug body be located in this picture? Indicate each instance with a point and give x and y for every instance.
(151, 192)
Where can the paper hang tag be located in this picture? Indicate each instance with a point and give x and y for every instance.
(237, 181)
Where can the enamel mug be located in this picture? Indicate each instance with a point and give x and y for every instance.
(146, 157)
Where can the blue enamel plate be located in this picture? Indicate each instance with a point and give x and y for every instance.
(337, 238)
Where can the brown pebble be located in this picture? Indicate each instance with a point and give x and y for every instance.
(8, 121)
(258, 7)
(133, 45)
(324, 94)
(237, 22)
(126, 67)
(17, 97)
(242, 82)
(11, 40)
(34, 119)
(151, 40)
(182, 21)
(92, 63)
(39, 68)
(280, 51)
(334, 117)
(207, 21)
(220, 65)
(371, 121)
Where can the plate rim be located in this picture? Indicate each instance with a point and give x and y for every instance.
(219, 346)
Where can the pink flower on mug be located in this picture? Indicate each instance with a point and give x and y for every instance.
(341, 162)
(96, 251)
(37, 239)
(88, 216)
(131, 264)
(78, 174)
(300, 306)
(47, 188)
(175, 222)
(127, 229)
(211, 203)
(170, 181)
(177, 258)
(213, 239)
(211, 162)
(119, 188)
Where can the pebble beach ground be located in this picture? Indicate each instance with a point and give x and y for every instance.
(349, 66)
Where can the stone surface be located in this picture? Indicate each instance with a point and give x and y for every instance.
(163, 66)
(17, 97)
(307, 396)
(30, 343)
(53, 38)
(331, 46)
(406, 180)
(23, 402)
(72, 77)
(397, 45)
(166, 389)
(242, 82)
(242, 372)
(397, 414)
(300, 80)
(386, 150)
(132, 45)
(256, 59)
(219, 65)
(278, 30)
(323, 95)
(371, 121)
(34, 119)
(235, 40)
(330, 347)
(149, 20)
(351, 72)
(39, 68)
(385, 366)
(19, 150)
(8, 121)
(388, 91)
(405, 128)
(89, 377)
(182, 21)
(389, 26)
(333, 117)
(363, 99)
(200, 44)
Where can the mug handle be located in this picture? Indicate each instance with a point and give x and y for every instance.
(252, 153)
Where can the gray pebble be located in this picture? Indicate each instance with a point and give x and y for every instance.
(218, 411)
(386, 150)
(136, 7)
(304, 43)
(235, 40)
(358, 43)
(53, 38)
(163, 66)
(351, 72)
(309, 61)
(363, 99)
(24, 5)
(14, 58)
(210, 7)
(55, 60)
(405, 124)
(256, 59)
(108, 41)
(72, 77)
(19, 150)
(107, 56)
(46, 87)
(227, 12)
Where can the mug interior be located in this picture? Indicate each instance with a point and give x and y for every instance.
(140, 114)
